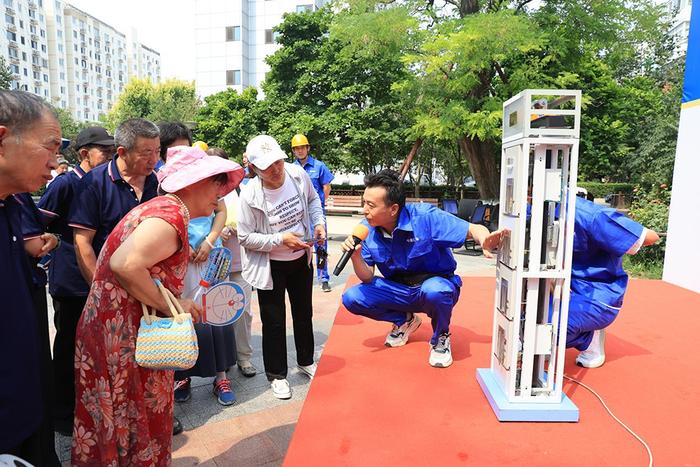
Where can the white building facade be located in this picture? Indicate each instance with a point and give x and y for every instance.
(24, 45)
(679, 13)
(233, 38)
(72, 59)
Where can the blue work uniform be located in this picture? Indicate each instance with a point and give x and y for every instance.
(418, 268)
(320, 175)
(602, 236)
(104, 198)
(33, 225)
(21, 403)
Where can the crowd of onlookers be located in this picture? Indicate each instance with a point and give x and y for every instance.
(142, 203)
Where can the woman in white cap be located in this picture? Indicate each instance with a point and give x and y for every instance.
(124, 413)
(280, 220)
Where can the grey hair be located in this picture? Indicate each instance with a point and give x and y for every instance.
(129, 130)
(20, 110)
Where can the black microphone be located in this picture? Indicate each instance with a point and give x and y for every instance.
(359, 233)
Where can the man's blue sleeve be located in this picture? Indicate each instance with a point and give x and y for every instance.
(55, 201)
(31, 218)
(447, 230)
(84, 212)
(325, 176)
(614, 232)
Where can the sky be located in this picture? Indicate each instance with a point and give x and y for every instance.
(164, 25)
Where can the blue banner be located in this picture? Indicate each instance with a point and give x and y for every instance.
(691, 86)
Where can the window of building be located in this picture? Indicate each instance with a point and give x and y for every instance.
(32, 13)
(12, 52)
(9, 19)
(24, 56)
(36, 75)
(46, 78)
(32, 29)
(233, 33)
(11, 35)
(35, 45)
(15, 69)
(59, 33)
(42, 33)
(44, 63)
(269, 36)
(75, 34)
(8, 3)
(43, 48)
(233, 77)
(304, 8)
(21, 39)
(26, 73)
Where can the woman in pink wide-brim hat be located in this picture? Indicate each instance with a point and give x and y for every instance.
(124, 413)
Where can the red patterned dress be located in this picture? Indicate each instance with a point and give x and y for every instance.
(124, 413)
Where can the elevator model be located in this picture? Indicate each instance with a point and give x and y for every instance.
(539, 161)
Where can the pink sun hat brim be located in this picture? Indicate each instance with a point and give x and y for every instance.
(186, 166)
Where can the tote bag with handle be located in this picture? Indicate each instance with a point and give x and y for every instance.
(166, 343)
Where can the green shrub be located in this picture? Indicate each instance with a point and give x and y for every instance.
(650, 208)
(600, 190)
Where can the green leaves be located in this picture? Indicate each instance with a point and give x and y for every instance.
(5, 74)
(171, 100)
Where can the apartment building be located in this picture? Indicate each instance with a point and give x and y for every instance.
(679, 12)
(233, 38)
(24, 44)
(74, 60)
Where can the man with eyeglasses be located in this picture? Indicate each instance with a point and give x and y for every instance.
(67, 287)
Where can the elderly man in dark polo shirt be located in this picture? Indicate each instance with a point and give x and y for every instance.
(30, 138)
(67, 286)
(111, 190)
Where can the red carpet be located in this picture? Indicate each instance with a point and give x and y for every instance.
(371, 405)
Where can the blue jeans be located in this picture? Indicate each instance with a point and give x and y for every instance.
(386, 300)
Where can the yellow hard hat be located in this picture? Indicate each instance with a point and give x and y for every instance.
(299, 140)
(201, 145)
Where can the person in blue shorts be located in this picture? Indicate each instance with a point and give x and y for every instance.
(411, 246)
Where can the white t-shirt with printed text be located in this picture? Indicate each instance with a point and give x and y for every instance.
(285, 214)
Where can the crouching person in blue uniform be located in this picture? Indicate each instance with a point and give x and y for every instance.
(411, 245)
(602, 236)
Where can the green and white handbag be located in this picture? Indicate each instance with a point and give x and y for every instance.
(166, 343)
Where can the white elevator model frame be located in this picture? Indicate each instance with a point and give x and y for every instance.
(538, 175)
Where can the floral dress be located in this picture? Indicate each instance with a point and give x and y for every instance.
(124, 413)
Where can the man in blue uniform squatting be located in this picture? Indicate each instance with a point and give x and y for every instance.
(602, 236)
(411, 245)
(321, 179)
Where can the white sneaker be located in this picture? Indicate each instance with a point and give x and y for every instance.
(441, 353)
(399, 334)
(309, 370)
(594, 355)
(281, 389)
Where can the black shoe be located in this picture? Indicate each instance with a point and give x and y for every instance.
(325, 287)
(177, 426)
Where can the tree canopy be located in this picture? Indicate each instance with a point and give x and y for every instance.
(171, 100)
(370, 81)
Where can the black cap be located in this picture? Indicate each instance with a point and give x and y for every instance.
(93, 135)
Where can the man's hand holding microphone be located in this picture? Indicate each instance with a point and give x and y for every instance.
(352, 248)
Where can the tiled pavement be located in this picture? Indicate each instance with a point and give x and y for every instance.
(257, 429)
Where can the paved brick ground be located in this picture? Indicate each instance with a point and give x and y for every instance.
(257, 429)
